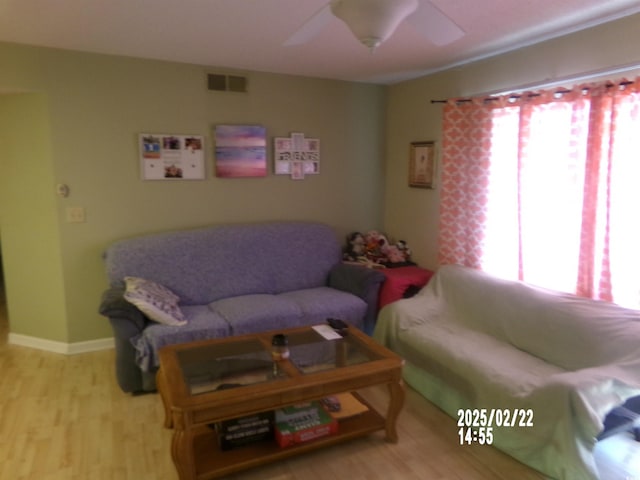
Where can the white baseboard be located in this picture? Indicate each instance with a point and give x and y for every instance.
(61, 347)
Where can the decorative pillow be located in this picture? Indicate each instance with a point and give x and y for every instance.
(156, 301)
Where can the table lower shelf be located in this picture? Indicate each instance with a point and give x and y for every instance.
(212, 462)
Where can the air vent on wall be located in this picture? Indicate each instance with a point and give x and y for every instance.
(226, 83)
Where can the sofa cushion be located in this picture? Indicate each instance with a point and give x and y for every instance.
(257, 313)
(516, 313)
(450, 351)
(223, 261)
(156, 301)
(202, 324)
(318, 304)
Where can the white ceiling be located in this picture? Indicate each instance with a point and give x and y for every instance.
(249, 34)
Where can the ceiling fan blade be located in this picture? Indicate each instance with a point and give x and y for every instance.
(434, 24)
(311, 27)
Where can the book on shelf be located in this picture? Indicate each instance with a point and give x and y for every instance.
(245, 430)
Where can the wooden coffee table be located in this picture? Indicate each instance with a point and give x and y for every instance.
(210, 381)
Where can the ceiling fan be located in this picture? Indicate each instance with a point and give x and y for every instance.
(374, 21)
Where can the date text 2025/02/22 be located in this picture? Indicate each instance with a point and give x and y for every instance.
(476, 424)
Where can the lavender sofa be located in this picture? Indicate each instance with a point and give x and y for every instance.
(232, 279)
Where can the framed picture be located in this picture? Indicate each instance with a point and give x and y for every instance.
(241, 151)
(422, 165)
(171, 157)
(296, 156)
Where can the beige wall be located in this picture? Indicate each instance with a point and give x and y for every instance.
(94, 106)
(413, 213)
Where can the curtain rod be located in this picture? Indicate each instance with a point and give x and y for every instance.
(574, 78)
(516, 96)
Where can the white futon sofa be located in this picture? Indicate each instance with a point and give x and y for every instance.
(474, 341)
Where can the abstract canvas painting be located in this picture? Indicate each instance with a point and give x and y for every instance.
(241, 151)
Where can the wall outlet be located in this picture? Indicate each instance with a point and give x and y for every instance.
(75, 215)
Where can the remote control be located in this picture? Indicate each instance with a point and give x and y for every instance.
(337, 324)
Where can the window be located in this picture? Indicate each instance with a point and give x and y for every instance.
(544, 188)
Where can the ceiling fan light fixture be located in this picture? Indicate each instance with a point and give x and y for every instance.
(370, 42)
(373, 21)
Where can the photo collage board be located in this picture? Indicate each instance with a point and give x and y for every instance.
(296, 156)
(171, 157)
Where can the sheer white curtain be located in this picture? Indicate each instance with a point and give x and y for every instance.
(545, 187)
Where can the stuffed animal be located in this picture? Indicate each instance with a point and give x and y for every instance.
(375, 243)
(393, 254)
(355, 247)
(398, 255)
(374, 250)
(404, 248)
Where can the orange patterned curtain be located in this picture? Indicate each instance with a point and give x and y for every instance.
(543, 187)
(466, 167)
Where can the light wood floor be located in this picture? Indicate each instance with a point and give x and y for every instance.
(64, 418)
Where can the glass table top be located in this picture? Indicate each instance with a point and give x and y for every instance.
(242, 361)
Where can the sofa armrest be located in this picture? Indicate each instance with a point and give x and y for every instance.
(355, 279)
(362, 282)
(114, 305)
(127, 322)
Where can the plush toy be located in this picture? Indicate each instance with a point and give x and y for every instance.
(393, 254)
(375, 243)
(355, 247)
(404, 248)
(371, 240)
(399, 255)
(374, 250)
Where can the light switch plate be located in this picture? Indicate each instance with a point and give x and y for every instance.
(75, 215)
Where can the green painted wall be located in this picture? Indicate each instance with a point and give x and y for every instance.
(96, 105)
(30, 234)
